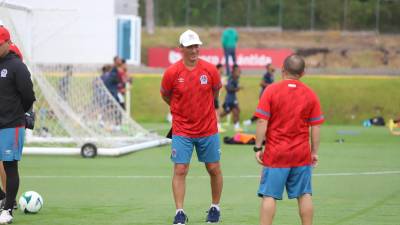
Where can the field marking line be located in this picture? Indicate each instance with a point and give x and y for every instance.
(195, 177)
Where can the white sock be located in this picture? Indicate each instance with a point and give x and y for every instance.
(215, 205)
(179, 210)
(237, 125)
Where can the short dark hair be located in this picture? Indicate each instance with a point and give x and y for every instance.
(294, 65)
(219, 65)
(235, 66)
(105, 68)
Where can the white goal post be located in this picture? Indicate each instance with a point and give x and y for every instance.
(75, 113)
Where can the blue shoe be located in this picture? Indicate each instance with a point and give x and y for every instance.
(213, 215)
(180, 218)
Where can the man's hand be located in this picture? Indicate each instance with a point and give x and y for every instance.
(315, 136)
(259, 157)
(314, 160)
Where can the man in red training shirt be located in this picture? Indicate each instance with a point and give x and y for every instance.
(189, 87)
(286, 112)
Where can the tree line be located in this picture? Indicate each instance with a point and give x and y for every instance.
(379, 15)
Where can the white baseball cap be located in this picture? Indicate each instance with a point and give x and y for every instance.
(189, 38)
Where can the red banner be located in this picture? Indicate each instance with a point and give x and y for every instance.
(245, 57)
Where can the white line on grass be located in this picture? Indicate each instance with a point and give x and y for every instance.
(196, 177)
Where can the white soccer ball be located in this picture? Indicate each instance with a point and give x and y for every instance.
(30, 202)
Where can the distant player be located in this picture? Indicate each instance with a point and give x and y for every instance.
(16, 96)
(64, 82)
(231, 103)
(267, 79)
(189, 87)
(229, 41)
(220, 69)
(287, 112)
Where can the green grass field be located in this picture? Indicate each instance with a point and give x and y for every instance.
(356, 183)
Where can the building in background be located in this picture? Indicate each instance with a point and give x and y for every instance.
(74, 31)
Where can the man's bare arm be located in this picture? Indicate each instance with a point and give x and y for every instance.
(261, 129)
(315, 139)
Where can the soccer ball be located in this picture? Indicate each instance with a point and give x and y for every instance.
(30, 202)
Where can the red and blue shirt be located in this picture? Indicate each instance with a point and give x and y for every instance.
(191, 94)
(290, 108)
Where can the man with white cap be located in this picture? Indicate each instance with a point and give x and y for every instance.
(189, 87)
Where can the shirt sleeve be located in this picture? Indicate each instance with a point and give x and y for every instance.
(166, 83)
(316, 116)
(263, 110)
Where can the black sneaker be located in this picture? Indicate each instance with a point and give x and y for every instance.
(180, 218)
(213, 215)
(3, 203)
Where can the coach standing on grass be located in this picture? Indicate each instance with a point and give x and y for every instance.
(286, 112)
(189, 87)
(16, 98)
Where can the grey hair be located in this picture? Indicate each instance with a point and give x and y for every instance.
(294, 65)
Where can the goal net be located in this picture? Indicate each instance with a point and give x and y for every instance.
(74, 110)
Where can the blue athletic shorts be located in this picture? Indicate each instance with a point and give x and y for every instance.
(228, 106)
(208, 149)
(11, 143)
(297, 181)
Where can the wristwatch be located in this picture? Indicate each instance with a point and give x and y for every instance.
(257, 149)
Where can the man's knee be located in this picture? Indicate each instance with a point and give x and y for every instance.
(214, 169)
(181, 170)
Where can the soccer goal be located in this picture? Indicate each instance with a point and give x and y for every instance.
(75, 113)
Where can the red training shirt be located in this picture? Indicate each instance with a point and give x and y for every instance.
(290, 108)
(192, 98)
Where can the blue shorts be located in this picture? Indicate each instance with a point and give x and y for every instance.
(297, 181)
(11, 143)
(228, 106)
(208, 149)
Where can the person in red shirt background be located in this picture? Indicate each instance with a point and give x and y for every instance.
(285, 112)
(189, 87)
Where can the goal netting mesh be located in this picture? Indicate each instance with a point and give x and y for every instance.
(74, 107)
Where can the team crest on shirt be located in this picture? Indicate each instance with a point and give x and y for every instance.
(181, 80)
(3, 73)
(203, 79)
